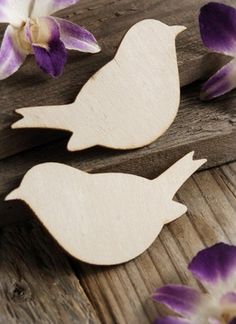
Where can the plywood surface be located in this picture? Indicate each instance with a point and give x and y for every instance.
(34, 269)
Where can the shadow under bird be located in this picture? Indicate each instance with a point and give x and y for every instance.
(104, 219)
(129, 103)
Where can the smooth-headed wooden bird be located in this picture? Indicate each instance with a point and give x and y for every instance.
(104, 219)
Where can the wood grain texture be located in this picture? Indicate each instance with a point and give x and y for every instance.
(122, 294)
(37, 284)
(126, 104)
(109, 21)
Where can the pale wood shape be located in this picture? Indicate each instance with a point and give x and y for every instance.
(120, 294)
(129, 103)
(104, 219)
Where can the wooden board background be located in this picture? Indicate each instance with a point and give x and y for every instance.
(39, 283)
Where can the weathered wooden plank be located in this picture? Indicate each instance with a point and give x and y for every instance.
(109, 20)
(207, 128)
(37, 284)
(122, 294)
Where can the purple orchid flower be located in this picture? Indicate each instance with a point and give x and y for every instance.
(218, 31)
(32, 30)
(215, 268)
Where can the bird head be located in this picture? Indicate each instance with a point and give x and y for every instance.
(31, 182)
(18, 193)
(153, 27)
(41, 182)
(148, 37)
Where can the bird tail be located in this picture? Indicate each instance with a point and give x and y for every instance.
(43, 117)
(173, 178)
(59, 117)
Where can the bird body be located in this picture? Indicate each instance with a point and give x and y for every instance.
(108, 218)
(129, 103)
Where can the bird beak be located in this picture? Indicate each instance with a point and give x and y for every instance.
(14, 195)
(178, 29)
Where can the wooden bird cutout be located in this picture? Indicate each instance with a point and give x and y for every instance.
(129, 103)
(104, 219)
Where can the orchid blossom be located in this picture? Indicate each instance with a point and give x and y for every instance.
(215, 268)
(218, 31)
(32, 30)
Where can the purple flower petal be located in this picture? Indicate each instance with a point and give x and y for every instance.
(50, 6)
(233, 321)
(77, 38)
(220, 83)
(214, 264)
(172, 320)
(218, 28)
(52, 60)
(49, 50)
(12, 56)
(181, 299)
